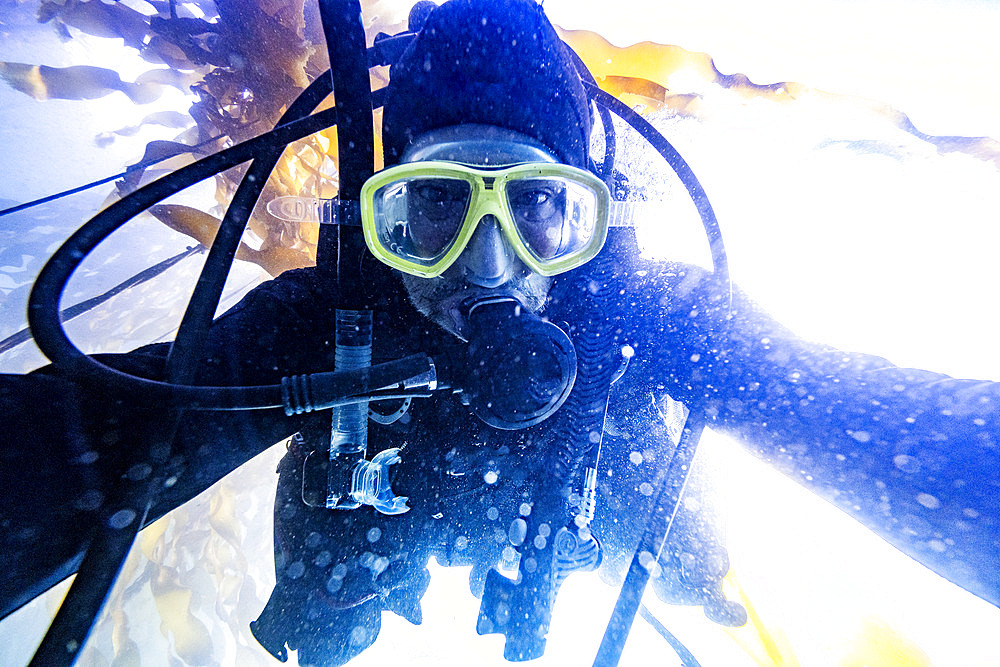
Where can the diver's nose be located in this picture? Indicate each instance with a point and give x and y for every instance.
(488, 260)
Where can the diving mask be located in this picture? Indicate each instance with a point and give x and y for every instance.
(418, 217)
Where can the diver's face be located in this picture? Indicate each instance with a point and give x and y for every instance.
(488, 266)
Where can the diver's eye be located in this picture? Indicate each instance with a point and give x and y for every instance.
(431, 194)
(533, 198)
(440, 192)
(536, 200)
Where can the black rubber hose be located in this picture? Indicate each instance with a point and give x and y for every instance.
(650, 545)
(349, 63)
(73, 621)
(192, 334)
(687, 658)
(585, 409)
(43, 302)
(318, 390)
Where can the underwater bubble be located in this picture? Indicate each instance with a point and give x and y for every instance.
(938, 546)
(367, 559)
(89, 501)
(540, 542)
(374, 534)
(635, 457)
(461, 542)
(915, 526)
(492, 514)
(647, 561)
(646, 489)
(378, 567)
(313, 540)
(339, 571)
(323, 558)
(525, 509)
(691, 503)
(861, 436)
(518, 531)
(502, 613)
(122, 519)
(490, 477)
(906, 463)
(530, 565)
(139, 472)
(544, 530)
(359, 635)
(333, 584)
(928, 501)
(295, 570)
(970, 513)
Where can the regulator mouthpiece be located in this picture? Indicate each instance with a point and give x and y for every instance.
(522, 367)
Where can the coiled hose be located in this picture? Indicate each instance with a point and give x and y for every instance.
(579, 431)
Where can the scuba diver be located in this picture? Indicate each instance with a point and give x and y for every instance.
(488, 226)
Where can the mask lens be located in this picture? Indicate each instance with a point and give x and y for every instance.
(418, 219)
(555, 217)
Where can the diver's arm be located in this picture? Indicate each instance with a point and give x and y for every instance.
(913, 455)
(65, 444)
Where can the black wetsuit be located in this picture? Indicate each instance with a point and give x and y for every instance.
(911, 454)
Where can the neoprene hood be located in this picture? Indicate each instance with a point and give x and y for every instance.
(494, 63)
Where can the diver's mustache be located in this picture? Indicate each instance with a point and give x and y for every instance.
(518, 287)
